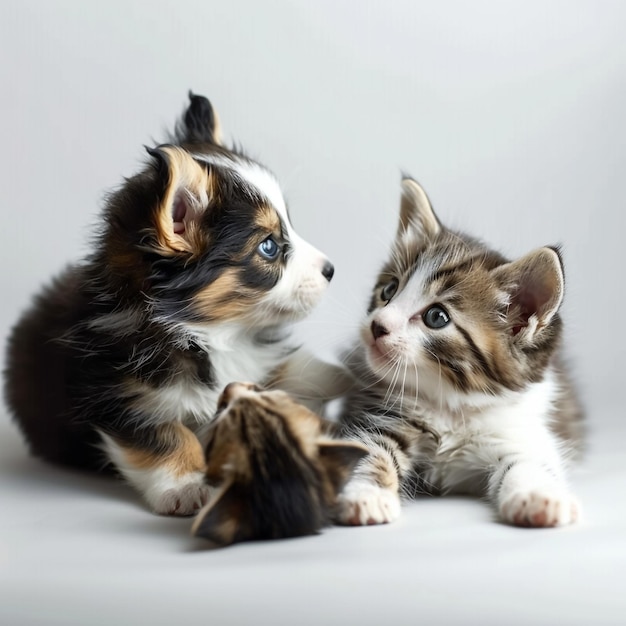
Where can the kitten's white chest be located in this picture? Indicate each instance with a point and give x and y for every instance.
(449, 460)
(474, 440)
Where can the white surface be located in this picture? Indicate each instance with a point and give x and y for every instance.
(510, 115)
(78, 550)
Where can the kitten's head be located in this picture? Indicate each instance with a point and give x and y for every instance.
(276, 471)
(205, 234)
(454, 321)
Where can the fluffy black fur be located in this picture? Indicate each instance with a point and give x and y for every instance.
(111, 324)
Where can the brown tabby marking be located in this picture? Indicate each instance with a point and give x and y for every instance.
(461, 387)
(275, 466)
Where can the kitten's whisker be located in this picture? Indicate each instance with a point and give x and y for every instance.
(416, 397)
(391, 386)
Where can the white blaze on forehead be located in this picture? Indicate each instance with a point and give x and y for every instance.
(265, 183)
(415, 294)
(255, 176)
(302, 282)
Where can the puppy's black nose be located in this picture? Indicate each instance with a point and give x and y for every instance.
(328, 271)
(378, 330)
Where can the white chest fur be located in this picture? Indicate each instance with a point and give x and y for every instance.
(234, 356)
(476, 440)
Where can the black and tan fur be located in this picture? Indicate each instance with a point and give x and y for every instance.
(275, 468)
(195, 274)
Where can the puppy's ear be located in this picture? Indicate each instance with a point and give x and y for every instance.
(339, 458)
(417, 217)
(200, 123)
(224, 520)
(187, 190)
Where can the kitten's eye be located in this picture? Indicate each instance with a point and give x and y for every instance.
(389, 290)
(436, 317)
(269, 249)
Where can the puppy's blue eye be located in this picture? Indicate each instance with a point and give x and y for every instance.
(269, 249)
(436, 317)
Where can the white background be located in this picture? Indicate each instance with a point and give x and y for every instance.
(512, 117)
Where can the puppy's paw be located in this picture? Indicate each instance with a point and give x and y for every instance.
(185, 498)
(539, 509)
(362, 503)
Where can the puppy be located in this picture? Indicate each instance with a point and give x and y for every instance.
(195, 275)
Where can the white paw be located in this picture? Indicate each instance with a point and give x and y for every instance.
(362, 503)
(539, 509)
(185, 498)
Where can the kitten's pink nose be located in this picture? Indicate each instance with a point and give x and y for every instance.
(378, 330)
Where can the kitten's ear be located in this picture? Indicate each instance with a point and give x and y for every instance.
(224, 519)
(186, 193)
(339, 459)
(416, 212)
(535, 284)
(200, 122)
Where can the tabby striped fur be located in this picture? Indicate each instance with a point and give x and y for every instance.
(275, 468)
(461, 387)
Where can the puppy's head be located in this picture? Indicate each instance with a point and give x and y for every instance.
(206, 234)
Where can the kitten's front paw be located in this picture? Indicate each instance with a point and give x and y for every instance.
(183, 500)
(538, 509)
(362, 503)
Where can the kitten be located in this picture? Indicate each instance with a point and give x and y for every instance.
(193, 281)
(461, 387)
(276, 469)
